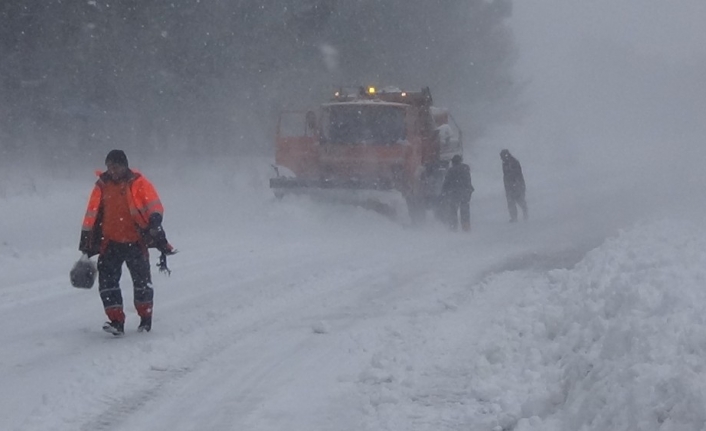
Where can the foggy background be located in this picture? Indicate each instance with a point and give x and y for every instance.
(597, 91)
(208, 77)
(617, 87)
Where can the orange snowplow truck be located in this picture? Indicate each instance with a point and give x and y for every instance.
(368, 139)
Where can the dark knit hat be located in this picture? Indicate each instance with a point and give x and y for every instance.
(117, 157)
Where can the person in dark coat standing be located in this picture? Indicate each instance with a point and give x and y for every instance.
(456, 194)
(514, 185)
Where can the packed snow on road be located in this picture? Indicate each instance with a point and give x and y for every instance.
(295, 314)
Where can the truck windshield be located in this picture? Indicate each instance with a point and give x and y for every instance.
(364, 124)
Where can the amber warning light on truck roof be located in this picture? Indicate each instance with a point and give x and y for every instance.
(388, 94)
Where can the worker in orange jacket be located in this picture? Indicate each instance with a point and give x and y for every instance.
(124, 219)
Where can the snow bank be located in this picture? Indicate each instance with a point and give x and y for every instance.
(615, 343)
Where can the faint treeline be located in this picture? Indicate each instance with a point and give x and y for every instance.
(207, 77)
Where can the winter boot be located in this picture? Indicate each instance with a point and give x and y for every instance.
(145, 324)
(114, 327)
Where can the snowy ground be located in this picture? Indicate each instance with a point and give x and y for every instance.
(295, 315)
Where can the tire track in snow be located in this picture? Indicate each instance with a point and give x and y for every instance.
(377, 285)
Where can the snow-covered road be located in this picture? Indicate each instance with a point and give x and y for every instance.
(297, 316)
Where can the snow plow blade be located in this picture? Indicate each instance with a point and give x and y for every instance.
(381, 198)
(294, 184)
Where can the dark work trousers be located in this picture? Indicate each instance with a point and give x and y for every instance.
(110, 264)
(456, 205)
(514, 199)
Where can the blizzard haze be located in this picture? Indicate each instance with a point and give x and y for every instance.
(301, 315)
(614, 85)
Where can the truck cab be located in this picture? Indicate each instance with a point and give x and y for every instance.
(388, 140)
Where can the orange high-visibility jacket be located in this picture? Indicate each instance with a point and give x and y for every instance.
(143, 202)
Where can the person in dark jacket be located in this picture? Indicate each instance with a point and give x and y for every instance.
(456, 194)
(514, 185)
(123, 219)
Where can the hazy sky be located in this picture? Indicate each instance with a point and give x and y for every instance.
(673, 31)
(611, 79)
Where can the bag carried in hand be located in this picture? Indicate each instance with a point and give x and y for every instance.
(83, 274)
